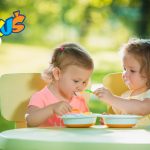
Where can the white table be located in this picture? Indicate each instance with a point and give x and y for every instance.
(94, 138)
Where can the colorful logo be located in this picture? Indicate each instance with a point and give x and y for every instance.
(12, 24)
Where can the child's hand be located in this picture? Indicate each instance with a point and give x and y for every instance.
(61, 108)
(103, 93)
(101, 120)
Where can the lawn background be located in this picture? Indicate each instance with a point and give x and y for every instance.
(22, 58)
(101, 26)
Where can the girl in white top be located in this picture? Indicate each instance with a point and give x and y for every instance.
(136, 75)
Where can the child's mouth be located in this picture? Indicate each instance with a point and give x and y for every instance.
(127, 82)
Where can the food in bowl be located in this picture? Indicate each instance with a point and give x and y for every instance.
(79, 120)
(75, 111)
(120, 121)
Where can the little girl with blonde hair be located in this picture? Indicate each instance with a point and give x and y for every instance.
(67, 75)
(136, 75)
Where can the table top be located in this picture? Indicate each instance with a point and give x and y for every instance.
(96, 137)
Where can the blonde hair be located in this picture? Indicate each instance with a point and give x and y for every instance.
(65, 55)
(140, 49)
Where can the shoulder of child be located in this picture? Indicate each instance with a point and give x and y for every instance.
(126, 93)
(40, 91)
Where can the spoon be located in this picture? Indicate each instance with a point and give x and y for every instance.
(88, 91)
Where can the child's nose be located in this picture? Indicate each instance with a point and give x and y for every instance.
(81, 87)
(126, 74)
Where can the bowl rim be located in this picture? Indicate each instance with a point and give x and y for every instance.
(121, 116)
(77, 116)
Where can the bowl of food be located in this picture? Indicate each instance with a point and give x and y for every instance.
(79, 120)
(120, 121)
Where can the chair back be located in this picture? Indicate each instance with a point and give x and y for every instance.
(115, 84)
(15, 92)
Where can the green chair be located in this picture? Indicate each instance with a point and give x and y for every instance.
(15, 92)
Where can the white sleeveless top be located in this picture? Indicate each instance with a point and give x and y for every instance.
(145, 121)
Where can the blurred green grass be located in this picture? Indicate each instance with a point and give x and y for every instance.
(22, 58)
(5, 125)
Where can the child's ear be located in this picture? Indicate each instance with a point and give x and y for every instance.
(56, 73)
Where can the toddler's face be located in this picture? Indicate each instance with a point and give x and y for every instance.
(73, 79)
(131, 75)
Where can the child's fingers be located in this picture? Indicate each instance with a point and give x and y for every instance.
(67, 107)
(63, 112)
(62, 107)
(66, 104)
(99, 92)
(101, 121)
(96, 92)
(70, 108)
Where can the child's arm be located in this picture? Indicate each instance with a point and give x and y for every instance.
(132, 106)
(124, 106)
(36, 116)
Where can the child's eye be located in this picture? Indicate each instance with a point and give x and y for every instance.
(84, 82)
(76, 81)
(132, 71)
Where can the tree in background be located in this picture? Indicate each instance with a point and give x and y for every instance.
(88, 21)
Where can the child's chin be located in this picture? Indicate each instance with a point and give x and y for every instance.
(69, 97)
(129, 87)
